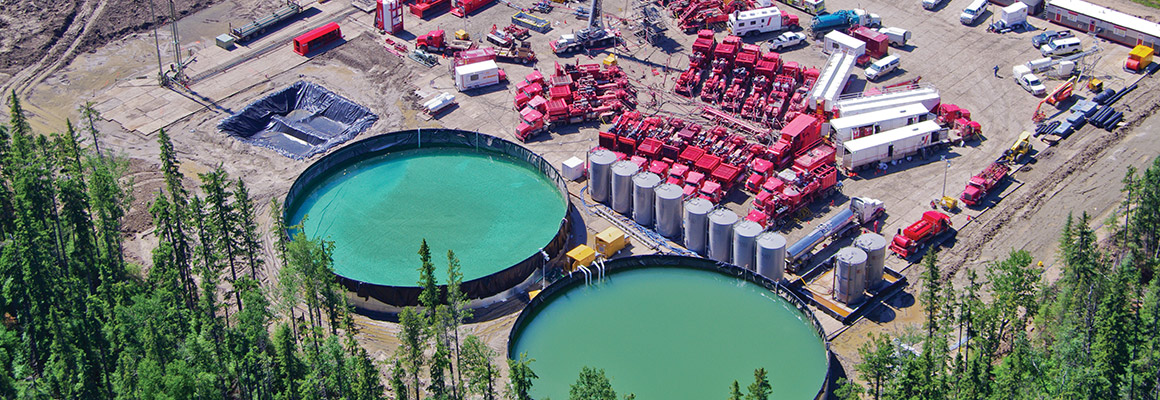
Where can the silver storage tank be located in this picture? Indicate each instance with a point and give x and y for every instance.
(600, 173)
(771, 255)
(875, 247)
(721, 223)
(643, 186)
(668, 205)
(850, 274)
(697, 224)
(622, 172)
(745, 244)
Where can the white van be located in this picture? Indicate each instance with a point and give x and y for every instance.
(882, 67)
(973, 12)
(1060, 47)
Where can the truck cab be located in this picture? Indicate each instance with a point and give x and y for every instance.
(931, 4)
(1028, 80)
(973, 12)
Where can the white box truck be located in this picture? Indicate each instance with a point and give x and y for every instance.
(891, 145)
(762, 20)
(477, 75)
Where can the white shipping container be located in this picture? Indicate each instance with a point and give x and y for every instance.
(836, 41)
(891, 145)
(843, 129)
(1014, 14)
(477, 75)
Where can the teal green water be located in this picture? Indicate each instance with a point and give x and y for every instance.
(672, 334)
(492, 210)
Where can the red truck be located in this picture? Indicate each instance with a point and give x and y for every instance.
(915, 236)
(982, 183)
(436, 41)
(799, 136)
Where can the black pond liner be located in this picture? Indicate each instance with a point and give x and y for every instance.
(299, 121)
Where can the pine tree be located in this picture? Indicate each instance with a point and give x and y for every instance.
(735, 391)
(592, 385)
(878, 362)
(459, 312)
(520, 377)
(759, 389)
(477, 364)
(412, 344)
(247, 228)
(222, 231)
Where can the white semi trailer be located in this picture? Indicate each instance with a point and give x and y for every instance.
(892, 145)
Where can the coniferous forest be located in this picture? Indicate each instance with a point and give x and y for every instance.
(207, 321)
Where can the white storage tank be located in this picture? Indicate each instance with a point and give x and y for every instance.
(744, 244)
(600, 173)
(771, 255)
(875, 247)
(668, 207)
(850, 275)
(721, 223)
(697, 224)
(622, 172)
(643, 196)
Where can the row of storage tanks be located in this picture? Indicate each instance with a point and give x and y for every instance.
(717, 232)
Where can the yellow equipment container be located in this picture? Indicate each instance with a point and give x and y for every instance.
(610, 60)
(581, 256)
(462, 35)
(610, 241)
(1139, 57)
(1095, 85)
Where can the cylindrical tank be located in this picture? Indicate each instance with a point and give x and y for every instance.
(875, 247)
(721, 223)
(744, 244)
(697, 224)
(600, 173)
(668, 205)
(850, 279)
(771, 255)
(622, 172)
(643, 185)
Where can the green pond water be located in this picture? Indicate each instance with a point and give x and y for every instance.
(492, 210)
(672, 334)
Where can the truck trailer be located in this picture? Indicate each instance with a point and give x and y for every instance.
(762, 20)
(892, 145)
(477, 75)
(857, 126)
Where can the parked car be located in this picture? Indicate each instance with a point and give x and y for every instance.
(882, 67)
(788, 39)
(973, 12)
(1042, 38)
(1061, 47)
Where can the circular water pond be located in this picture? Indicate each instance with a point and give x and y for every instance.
(495, 209)
(670, 328)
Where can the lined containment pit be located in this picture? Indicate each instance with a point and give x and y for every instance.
(671, 327)
(499, 206)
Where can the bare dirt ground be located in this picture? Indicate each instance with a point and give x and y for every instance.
(77, 58)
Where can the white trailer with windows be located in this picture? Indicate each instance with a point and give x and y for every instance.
(761, 20)
(854, 127)
(891, 145)
(477, 75)
(928, 96)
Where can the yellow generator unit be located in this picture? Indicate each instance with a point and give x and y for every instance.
(1139, 58)
(462, 35)
(581, 256)
(610, 241)
(610, 60)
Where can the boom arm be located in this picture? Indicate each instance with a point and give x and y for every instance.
(594, 17)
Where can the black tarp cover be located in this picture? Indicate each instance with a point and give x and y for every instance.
(299, 121)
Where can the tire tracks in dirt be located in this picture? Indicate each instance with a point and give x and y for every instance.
(1036, 194)
(63, 51)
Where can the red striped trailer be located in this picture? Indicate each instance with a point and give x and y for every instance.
(317, 38)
